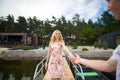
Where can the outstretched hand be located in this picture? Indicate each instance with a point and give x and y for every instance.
(76, 60)
(72, 58)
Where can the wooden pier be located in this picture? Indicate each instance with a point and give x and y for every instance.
(68, 74)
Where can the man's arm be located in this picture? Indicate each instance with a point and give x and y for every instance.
(101, 65)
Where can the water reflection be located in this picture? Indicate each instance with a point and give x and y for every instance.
(11, 77)
(17, 70)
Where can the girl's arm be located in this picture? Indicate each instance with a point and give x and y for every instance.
(48, 54)
(68, 51)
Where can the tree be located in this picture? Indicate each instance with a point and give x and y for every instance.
(10, 24)
(108, 21)
(3, 24)
(21, 24)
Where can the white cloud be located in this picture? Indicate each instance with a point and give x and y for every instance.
(43, 9)
(87, 9)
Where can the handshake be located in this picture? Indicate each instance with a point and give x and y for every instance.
(75, 59)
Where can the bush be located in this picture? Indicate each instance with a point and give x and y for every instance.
(95, 44)
(24, 47)
(105, 45)
(70, 42)
(74, 47)
(85, 49)
(98, 45)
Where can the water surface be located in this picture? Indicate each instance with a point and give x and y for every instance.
(17, 70)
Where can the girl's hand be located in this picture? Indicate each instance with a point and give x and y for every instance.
(46, 66)
(72, 58)
(77, 59)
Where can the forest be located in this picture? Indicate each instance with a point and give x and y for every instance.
(74, 30)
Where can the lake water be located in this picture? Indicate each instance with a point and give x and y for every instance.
(24, 70)
(18, 70)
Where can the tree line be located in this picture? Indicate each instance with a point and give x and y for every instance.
(75, 31)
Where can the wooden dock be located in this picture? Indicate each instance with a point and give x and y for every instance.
(68, 74)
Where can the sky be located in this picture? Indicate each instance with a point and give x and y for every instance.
(45, 9)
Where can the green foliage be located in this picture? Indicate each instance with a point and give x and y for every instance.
(76, 27)
(74, 47)
(98, 44)
(70, 42)
(105, 45)
(85, 49)
(24, 47)
(83, 43)
(95, 44)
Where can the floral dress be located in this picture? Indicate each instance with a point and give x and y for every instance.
(56, 64)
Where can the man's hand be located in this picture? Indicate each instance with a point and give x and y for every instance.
(77, 59)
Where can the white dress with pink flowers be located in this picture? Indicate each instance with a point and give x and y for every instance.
(56, 64)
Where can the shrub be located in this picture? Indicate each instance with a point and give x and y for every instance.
(85, 49)
(99, 45)
(70, 42)
(74, 47)
(24, 47)
(105, 45)
(95, 44)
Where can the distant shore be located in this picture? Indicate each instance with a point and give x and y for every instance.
(37, 54)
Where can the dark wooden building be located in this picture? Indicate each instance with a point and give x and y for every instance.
(113, 39)
(13, 39)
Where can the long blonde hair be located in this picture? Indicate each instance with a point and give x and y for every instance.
(53, 37)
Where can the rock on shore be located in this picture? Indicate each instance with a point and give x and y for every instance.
(22, 55)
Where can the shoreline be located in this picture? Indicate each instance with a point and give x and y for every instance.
(37, 54)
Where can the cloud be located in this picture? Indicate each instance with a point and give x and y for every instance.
(88, 10)
(43, 9)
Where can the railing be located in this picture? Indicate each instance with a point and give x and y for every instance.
(88, 74)
(76, 69)
(38, 70)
